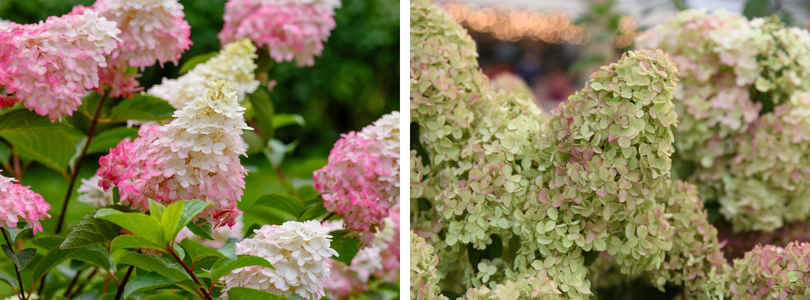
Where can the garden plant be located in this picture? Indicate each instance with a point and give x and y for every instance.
(139, 189)
(509, 202)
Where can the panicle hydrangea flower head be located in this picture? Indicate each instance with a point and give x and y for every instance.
(17, 201)
(770, 272)
(91, 193)
(424, 278)
(118, 81)
(513, 83)
(233, 64)
(695, 259)
(360, 183)
(49, 66)
(297, 250)
(151, 30)
(196, 156)
(291, 29)
(221, 235)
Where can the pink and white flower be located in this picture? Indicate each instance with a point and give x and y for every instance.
(291, 29)
(17, 201)
(196, 156)
(49, 66)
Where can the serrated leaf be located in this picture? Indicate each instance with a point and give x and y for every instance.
(142, 107)
(161, 265)
(263, 108)
(196, 60)
(22, 258)
(248, 293)
(345, 246)
(156, 209)
(150, 281)
(51, 259)
(229, 251)
(105, 140)
(197, 251)
(132, 241)
(91, 231)
(225, 265)
(281, 120)
(204, 231)
(94, 255)
(49, 143)
(139, 224)
(14, 233)
(287, 203)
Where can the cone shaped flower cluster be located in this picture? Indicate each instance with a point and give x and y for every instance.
(297, 250)
(233, 64)
(17, 201)
(291, 29)
(360, 183)
(742, 82)
(151, 30)
(49, 66)
(196, 156)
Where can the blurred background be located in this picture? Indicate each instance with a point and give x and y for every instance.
(351, 85)
(555, 45)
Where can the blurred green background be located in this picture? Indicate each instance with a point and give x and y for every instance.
(353, 83)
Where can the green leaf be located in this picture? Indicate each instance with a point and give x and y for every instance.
(139, 224)
(53, 258)
(278, 150)
(150, 281)
(190, 210)
(8, 279)
(150, 263)
(13, 233)
(204, 231)
(229, 251)
(196, 250)
(49, 143)
(132, 241)
(165, 296)
(142, 107)
(91, 231)
(194, 61)
(169, 219)
(286, 203)
(756, 8)
(346, 247)
(239, 292)
(156, 209)
(281, 120)
(94, 255)
(102, 142)
(22, 258)
(225, 265)
(263, 108)
(313, 213)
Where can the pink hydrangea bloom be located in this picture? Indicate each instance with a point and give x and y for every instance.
(379, 258)
(151, 31)
(360, 183)
(196, 156)
(770, 272)
(17, 201)
(49, 66)
(291, 29)
(297, 250)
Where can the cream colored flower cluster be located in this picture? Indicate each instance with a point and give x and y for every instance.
(234, 64)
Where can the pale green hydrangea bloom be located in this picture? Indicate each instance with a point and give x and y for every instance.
(423, 271)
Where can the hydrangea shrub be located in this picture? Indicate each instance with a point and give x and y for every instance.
(160, 215)
(508, 202)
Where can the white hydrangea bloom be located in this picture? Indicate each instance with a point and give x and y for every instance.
(30, 297)
(3, 24)
(297, 250)
(91, 193)
(233, 64)
(386, 132)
